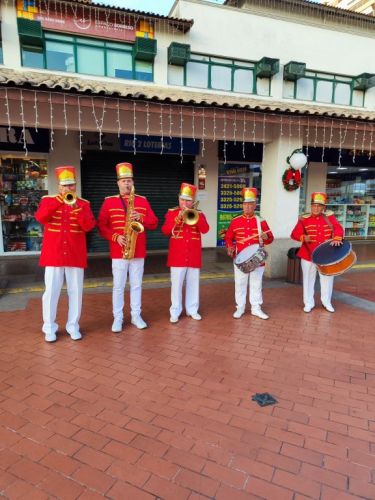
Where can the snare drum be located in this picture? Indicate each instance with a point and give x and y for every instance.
(332, 260)
(250, 258)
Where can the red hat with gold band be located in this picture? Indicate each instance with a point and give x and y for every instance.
(65, 175)
(124, 170)
(318, 197)
(187, 191)
(249, 195)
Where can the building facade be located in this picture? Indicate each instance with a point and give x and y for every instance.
(222, 104)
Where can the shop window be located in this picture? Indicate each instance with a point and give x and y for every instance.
(90, 60)
(342, 93)
(324, 91)
(196, 75)
(305, 89)
(22, 184)
(119, 65)
(243, 81)
(32, 57)
(60, 56)
(144, 71)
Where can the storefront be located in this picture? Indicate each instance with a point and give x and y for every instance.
(350, 187)
(23, 181)
(156, 176)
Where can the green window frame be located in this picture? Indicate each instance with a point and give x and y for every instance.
(107, 52)
(318, 79)
(227, 67)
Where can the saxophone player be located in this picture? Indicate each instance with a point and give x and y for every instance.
(123, 219)
(184, 225)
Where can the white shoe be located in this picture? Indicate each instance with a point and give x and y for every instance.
(173, 319)
(50, 337)
(240, 311)
(75, 335)
(329, 308)
(259, 313)
(139, 323)
(308, 309)
(117, 326)
(195, 316)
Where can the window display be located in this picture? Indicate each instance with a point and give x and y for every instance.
(22, 183)
(358, 220)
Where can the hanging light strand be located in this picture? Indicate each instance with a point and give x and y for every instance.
(324, 140)
(52, 133)
(235, 127)
(243, 134)
(181, 137)
(161, 130)
(307, 137)
(355, 142)
(134, 129)
(170, 122)
(36, 112)
(214, 126)
(80, 126)
(65, 117)
(22, 114)
(6, 104)
(203, 132)
(225, 138)
(118, 119)
(370, 143)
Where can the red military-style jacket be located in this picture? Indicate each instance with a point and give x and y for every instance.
(111, 223)
(65, 228)
(319, 230)
(243, 232)
(185, 243)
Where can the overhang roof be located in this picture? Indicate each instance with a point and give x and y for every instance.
(45, 80)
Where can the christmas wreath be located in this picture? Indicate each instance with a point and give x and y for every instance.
(291, 179)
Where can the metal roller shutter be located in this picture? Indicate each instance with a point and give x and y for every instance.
(158, 177)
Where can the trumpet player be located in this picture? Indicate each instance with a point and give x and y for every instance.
(66, 220)
(123, 219)
(184, 225)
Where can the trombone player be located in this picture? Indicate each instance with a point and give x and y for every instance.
(123, 219)
(66, 220)
(184, 225)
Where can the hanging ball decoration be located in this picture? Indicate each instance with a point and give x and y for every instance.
(297, 159)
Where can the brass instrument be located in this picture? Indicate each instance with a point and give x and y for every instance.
(131, 229)
(187, 216)
(69, 198)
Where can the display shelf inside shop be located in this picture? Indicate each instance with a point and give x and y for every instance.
(358, 220)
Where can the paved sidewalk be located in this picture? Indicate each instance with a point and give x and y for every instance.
(167, 412)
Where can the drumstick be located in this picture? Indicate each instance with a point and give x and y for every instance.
(252, 237)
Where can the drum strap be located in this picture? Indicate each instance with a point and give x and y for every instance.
(261, 244)
(329, 223)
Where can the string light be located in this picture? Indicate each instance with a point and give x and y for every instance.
(99, 123)
(307, 136)
(193, 123)
(363, 138)
(316, 133)
(299, 130)
(235, 127)
(147, 119)
(324, 140)
(345, 132)
(340, 143)
(181, 137)
(203, 132)
(290, 135)
(214, 125)
(23, 124)
(170, 122)
(370, 144)
(281, 126)
(225, 138)
(330, 135)
(7, 107)
(51, 122)
(243, 134)
(355, 141)
(118, 119)
(80, 127)
(254, 127)
(264, 132)
(134, 129)
(36, 111)
(161, 130)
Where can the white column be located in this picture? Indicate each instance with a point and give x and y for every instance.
(9, 32)
(208, 197)
(279, 207)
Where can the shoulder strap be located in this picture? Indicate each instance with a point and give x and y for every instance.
(261, 244)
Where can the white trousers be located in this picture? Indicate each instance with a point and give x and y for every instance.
(120, 269)
(54, 279)
(309, 271)
(178, 276)
(251, 281)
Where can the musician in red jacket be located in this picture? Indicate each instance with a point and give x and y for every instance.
(115, 220)
(185, 252)
(245, 230)
(312, 229)
(66, 220)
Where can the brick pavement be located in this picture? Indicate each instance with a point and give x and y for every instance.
(167, 412)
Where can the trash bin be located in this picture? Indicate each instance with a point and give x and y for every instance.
(294, 271)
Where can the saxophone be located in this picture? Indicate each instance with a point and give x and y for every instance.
(131, 229)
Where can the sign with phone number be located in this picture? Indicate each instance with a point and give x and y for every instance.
(229, 203)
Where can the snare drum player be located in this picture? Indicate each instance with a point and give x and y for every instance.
(312, 229)
(243, 232)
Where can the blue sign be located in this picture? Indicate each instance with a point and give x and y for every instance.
(154, 144)
(12, 139)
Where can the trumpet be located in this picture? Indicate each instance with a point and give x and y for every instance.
(70, 198)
